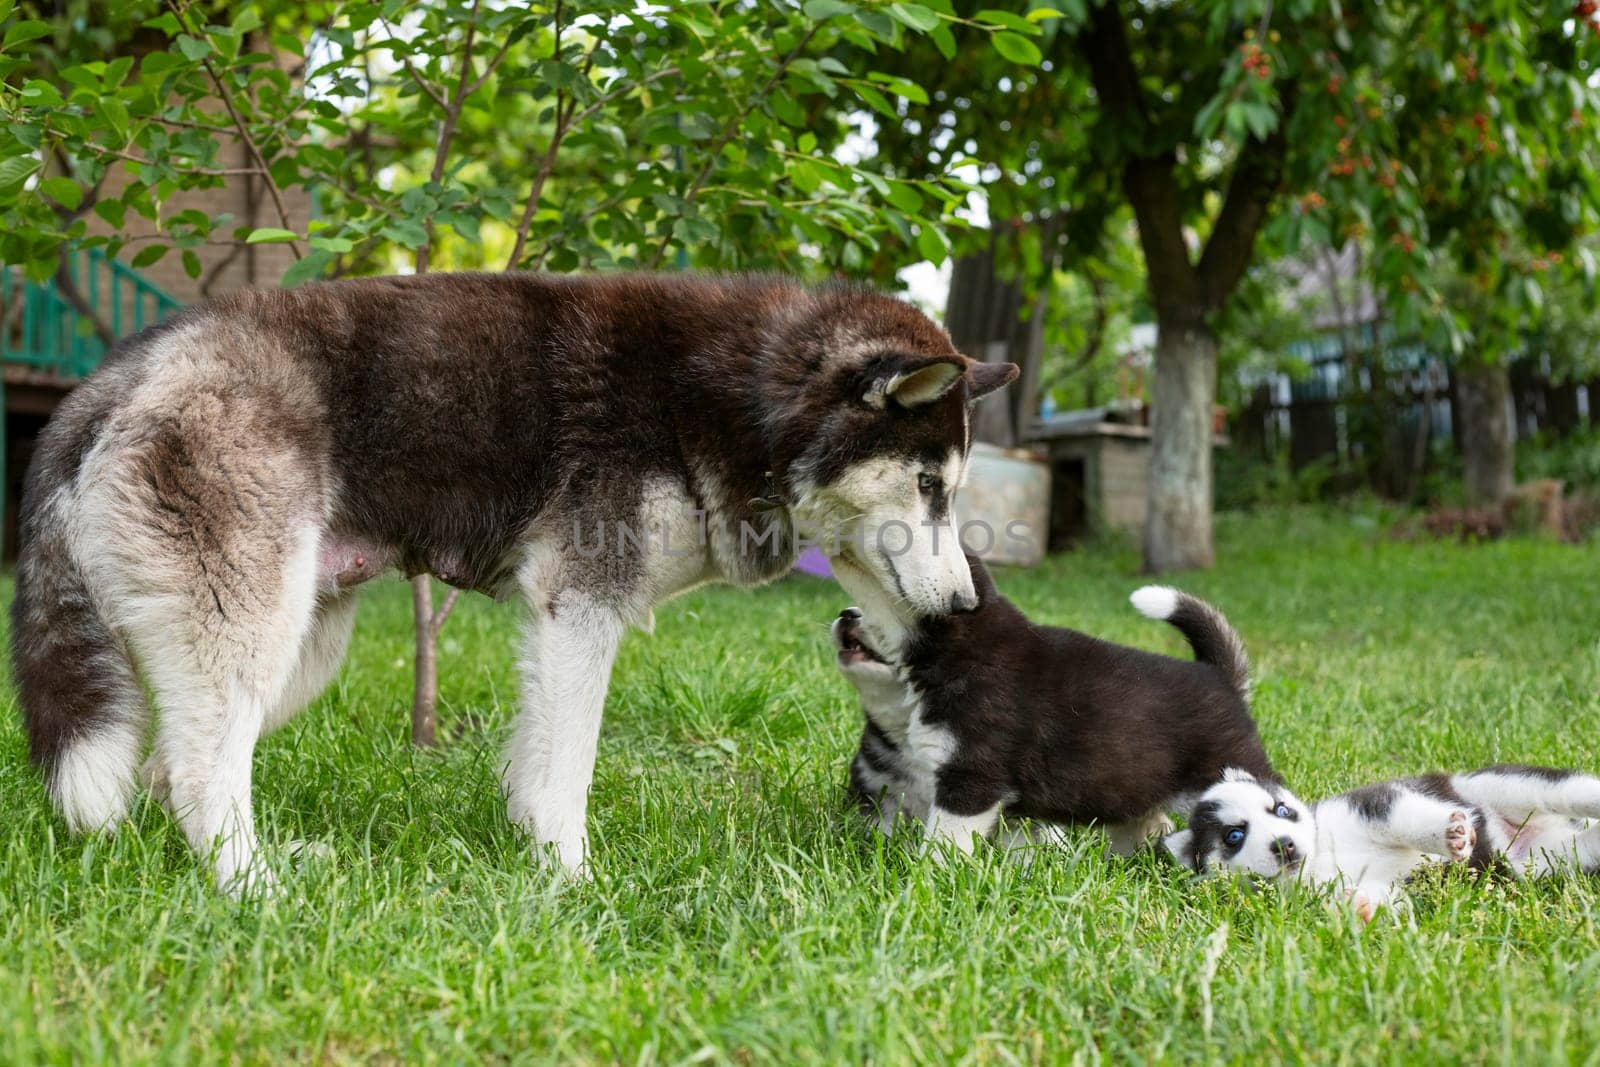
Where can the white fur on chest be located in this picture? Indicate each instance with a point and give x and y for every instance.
(1348, 853)
(676, 555)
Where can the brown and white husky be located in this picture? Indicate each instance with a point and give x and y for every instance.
(199, 511)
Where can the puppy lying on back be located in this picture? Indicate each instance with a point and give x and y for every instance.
(976, 715)
(1369, 841)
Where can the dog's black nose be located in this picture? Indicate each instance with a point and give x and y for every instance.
(960, 603)
(850, 613)
(1284, 849)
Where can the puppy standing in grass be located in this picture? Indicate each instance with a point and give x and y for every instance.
(985, 714)
(1367, 843)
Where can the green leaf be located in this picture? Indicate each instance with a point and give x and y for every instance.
(1009, 21)
(901, 87)
(63, 191)
(15, 171)
(932, 244)
(42, 268)
(877, 101)
(1260, 117)
(23, 32)
(42, 94)
(1018, 49)
(915, 16)
(193, 48)
(191, 264)
(805, 175)
(333, 244)
(905, 197)
(113, 211)
(115, 113)
(270, 235)
(826, 9)
(150, 254)
(408, 232)
(308, 269)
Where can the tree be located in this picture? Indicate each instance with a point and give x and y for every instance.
(1217, 122)
(454, 133)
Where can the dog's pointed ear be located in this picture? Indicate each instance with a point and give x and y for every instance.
(985, 378)
(913, 383)
(1181, 845)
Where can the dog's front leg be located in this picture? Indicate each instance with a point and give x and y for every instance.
(567, 651)
(964, 809)
(946, 828)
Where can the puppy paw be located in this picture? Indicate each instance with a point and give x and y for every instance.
(1459, 838)
(1365, 907)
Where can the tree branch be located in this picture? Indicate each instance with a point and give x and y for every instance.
(447, 127)
(1257, 173)
(209, 172)
(733, 126)
(449, 603)
(179, 13)
(546, 165)
(549, 245)
(1147, 181)
(1097, 330)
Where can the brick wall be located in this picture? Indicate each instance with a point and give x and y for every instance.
(224, 269)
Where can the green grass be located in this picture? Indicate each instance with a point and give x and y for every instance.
(739, 912)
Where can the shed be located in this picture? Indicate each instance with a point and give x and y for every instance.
(1100, 471)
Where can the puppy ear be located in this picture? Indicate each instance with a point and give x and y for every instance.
(985, 378)
(1237, 774)
(912, 384)
(1181, 845)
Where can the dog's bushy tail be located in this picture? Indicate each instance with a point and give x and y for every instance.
(1215, 643)
(81, 702)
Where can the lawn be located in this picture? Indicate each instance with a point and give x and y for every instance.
(739, 912)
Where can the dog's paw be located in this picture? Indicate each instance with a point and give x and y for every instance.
(251, 882)
(1363, 904)
(1460, 836)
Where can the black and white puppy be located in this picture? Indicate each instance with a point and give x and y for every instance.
(980, 714)
(1366, 843)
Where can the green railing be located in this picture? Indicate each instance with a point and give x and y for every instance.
(43, 331)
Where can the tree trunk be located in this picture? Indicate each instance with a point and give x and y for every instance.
(1177, 532)
(425, 691)
(1485, 432)
(986, 320)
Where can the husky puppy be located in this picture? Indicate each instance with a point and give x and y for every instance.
(199, 511)
(1535, 821)
(975, 716)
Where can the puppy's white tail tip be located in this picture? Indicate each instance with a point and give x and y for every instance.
(1156, 601)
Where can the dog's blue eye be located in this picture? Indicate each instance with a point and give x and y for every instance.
(1234, 838)
(1282, 811)
(926, 482)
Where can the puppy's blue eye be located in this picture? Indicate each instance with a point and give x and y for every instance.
(1282, 811)
(1234, 838)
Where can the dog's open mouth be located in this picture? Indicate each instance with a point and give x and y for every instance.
(847, 636)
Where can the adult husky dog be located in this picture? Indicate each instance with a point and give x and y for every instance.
(199, 510)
